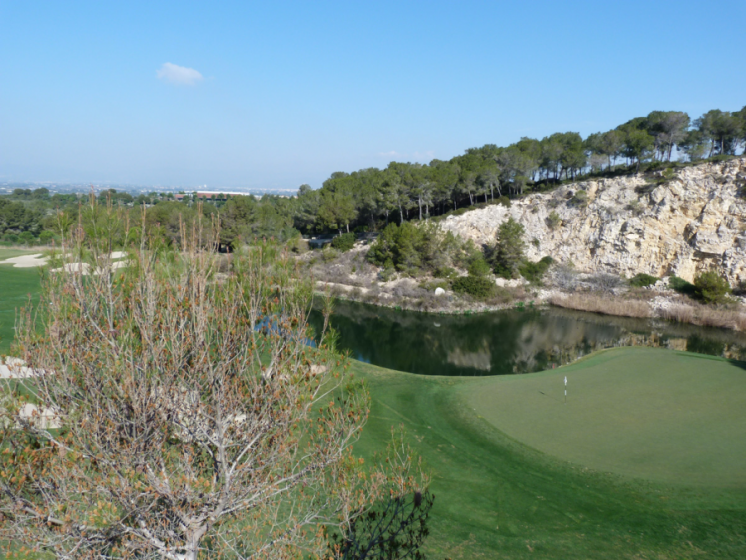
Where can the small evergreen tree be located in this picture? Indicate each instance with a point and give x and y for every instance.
(508, 255)
(710, 287)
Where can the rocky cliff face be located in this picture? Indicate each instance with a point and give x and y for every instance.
(688, 223)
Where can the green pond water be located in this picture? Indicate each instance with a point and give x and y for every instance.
(510, 341)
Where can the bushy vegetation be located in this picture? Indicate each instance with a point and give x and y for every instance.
(553, 220)
(643, 280)
(446, 272)
(579, 199)
(534, 271)
(478, 266)
(344, 242)
(18, 221)
(415, 249)
(478, 287)
(710, 287)
(680, 285)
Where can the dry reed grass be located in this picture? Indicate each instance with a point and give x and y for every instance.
(603, 304)
(699, 314)
(682, 312)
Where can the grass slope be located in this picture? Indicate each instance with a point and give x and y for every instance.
(15, 286)
(496, 497)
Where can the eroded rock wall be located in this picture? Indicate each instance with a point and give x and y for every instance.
(693, 222)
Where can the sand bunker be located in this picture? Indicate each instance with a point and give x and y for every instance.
(85, 268)
(27, 261)
(38, 259)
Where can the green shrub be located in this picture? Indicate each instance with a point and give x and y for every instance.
(642, 280)
(446, 272)
(553, 220)
(504, 200)
(478, 287)
(413, 248)
(27, 238)
(680, 285)
(635, 207)
(580, 198)
(710, 287)
(534, 271)
(432, 285)
(328, 254)
(344, 242)
(478, 266)
(387, 274)
(46, 237)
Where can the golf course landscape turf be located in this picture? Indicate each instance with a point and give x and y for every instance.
(645, 460)
(16, 284)
(627, 472)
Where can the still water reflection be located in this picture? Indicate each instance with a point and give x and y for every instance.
(511, 341)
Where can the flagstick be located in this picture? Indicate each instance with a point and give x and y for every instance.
(565, 389)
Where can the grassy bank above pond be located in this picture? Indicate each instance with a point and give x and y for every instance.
(499, 496)
(15, 286)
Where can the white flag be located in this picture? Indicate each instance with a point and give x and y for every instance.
(565, 381)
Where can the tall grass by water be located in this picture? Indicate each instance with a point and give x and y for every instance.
(608, 305)
(704, 315)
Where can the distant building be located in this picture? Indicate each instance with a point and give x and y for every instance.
(211, 196)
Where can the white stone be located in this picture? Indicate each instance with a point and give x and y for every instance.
(439, 291)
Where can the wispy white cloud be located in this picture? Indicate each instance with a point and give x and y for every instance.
(391, 154)
(179, 75)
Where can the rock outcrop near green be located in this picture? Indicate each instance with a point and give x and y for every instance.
(681, 223)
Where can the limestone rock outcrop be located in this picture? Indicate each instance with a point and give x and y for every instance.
(682, 225)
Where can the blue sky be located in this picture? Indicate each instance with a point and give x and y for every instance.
(285, 93)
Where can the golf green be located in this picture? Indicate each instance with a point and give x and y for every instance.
(504, 491)
(643, 412)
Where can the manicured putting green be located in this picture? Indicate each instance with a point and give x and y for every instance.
(643, 412)
(498, 497)
(15, 286)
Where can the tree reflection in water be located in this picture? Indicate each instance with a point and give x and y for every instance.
(510, 341)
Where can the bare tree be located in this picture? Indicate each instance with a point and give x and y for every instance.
(191, 417)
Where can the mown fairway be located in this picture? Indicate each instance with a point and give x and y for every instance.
(15, 286)
(499, 498)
